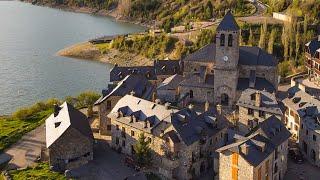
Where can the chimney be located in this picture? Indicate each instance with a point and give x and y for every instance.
(167, 105)
(244, 149)
(206, 106)
(258, 99)
(154, 96)
(219, 109)
(56, 110)
(319, 37)
(132, 93)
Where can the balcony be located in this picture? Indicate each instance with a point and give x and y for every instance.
(308, 65)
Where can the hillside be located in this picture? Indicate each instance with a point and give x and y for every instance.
(163, 13)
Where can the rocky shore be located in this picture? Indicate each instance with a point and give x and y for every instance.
(89, 51)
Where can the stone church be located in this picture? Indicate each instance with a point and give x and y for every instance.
(221, 71)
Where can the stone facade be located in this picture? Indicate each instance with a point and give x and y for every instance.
(309, 141)
(71, 150)
(172, 156)
(104, 109)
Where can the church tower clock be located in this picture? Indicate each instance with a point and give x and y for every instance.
(226, 61)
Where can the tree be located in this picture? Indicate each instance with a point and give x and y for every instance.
(262, 38)
(251, 38)
(143, 151)
(241, 38)
(271, 41)
(298, 41)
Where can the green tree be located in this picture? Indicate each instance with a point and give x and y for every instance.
(143, 151)
(262, 38)
(86, 99)
(298, 41)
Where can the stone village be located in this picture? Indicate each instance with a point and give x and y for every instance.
(216, 110)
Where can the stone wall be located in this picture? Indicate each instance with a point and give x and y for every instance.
(312, 144)
(225, 82)
(281, 161)
(104, 121)
(200, 95)
(180, 167)
(244, 118)
(71, 150)
(191, 67)
(267, 72)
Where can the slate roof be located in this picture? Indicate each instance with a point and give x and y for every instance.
(251, 56)
(260, 84)
(143, 109)
(171, 82)
(117, 73)
(197, 81)
(192, 126)
(205, 54)
(256, 56)
(228, 23)
(268, 101)
(167, 67)
(139, 84)
(68, 117)
(299, 100)
(268, 134)
(273, 129)
(313, 46)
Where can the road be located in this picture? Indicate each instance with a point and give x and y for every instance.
(27, 150)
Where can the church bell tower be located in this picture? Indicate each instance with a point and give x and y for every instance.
(226, 61)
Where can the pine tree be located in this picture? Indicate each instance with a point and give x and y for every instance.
(298, 41)
(271, 41)
(251, 38)
(262, 38)
(143, 151)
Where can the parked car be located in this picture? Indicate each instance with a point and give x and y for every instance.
(129, 161)
(296, 155)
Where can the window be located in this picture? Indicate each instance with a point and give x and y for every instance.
(222, 39)
(191, 94)
(307, 132)
(275, 168)
(250, 111)
(230, 40)
(314, 137)
(301, 126)
(109, 127)
(117, 127)
(108, 104)
(123, 132)
(117, 141)
(296, 127)
(132, 133)
(123, 143)
(262, 114)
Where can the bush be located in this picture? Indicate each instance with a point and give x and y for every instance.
(86, 99)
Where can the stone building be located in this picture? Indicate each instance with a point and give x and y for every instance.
(168, 90)
(157, 73)
(69, 138)
(309, 135)
(295, 108)
(312, 59)
(255, 106)
(182, 141)
(134, 83)
(260, 155)
(220, 71)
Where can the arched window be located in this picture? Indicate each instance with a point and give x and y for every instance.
(191, 94)
(224, 99)
(230, 40)
(222, 39)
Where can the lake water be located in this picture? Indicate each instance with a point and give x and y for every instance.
(29, 38)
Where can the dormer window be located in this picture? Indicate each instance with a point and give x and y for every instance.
(230, 40)
(222, 39)
(57, 124)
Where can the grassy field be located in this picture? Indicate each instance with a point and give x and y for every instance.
(41, 171)
(12, 129)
